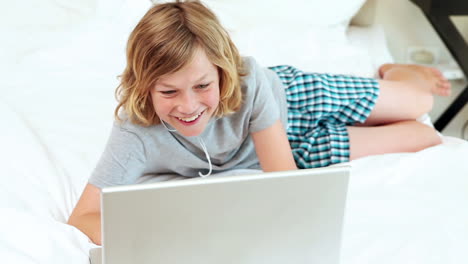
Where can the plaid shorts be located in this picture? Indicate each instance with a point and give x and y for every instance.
(320, 106)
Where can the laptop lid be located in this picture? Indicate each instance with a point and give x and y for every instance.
(280, 217)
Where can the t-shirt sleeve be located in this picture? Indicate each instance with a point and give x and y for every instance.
(265, 110)
(123, 160)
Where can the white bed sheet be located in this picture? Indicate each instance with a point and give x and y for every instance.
(409, 208)
(57, 108)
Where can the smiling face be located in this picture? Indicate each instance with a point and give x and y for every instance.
(187, 99)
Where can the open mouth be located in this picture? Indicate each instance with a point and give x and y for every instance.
(191, 119)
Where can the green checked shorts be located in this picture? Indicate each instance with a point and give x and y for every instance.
(320, 106)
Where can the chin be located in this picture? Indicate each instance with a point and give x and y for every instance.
(187, 132)
(190, 134)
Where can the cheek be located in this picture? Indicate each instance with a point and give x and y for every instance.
(161, 106)
(213, 98)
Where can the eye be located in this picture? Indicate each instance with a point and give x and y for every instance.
(203, 86)
(170, 92)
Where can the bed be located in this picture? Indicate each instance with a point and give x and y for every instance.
(60, 60)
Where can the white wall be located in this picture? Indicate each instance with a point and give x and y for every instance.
(462, 25)
(406, 26)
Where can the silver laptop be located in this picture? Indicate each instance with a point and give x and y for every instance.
(269, 218)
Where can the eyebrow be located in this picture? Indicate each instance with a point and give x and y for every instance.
(174, 87)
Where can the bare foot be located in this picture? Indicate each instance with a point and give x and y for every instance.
(428, 76)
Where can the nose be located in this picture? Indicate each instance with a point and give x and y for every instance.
(188, 103)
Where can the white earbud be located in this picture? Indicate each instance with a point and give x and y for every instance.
(200, 140)
(168, 129)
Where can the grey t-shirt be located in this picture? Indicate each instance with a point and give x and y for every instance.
(135, 152)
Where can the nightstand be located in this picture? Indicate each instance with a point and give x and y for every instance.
(438, 13)
(457, 125)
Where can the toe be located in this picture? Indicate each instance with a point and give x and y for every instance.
(443, 88)
(448, 88)
(437, 73)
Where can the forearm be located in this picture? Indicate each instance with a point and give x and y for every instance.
(90, 224)
(273, 150)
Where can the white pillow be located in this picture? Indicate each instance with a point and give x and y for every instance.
(303, 47)
(64, 89)
(308, 34)
(28, 169)
(289, 13)
(44, 15)
(30, 25)
(34, 25)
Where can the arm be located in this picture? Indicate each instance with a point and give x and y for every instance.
(87, 214)
(273, 150)
(122, 162)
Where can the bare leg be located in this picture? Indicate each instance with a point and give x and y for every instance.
(404, 136)
(406, 93)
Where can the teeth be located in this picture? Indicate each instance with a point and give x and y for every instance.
(190, 119)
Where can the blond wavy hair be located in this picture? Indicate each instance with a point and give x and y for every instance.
(163, 42)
